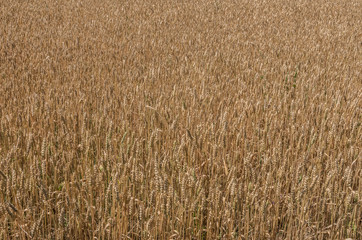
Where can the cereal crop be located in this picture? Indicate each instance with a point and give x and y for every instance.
(202, 119)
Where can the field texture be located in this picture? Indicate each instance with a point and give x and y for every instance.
(187, 119)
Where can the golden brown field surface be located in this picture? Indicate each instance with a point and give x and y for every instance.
(165, 119)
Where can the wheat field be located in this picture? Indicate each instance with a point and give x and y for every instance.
(203, 119)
